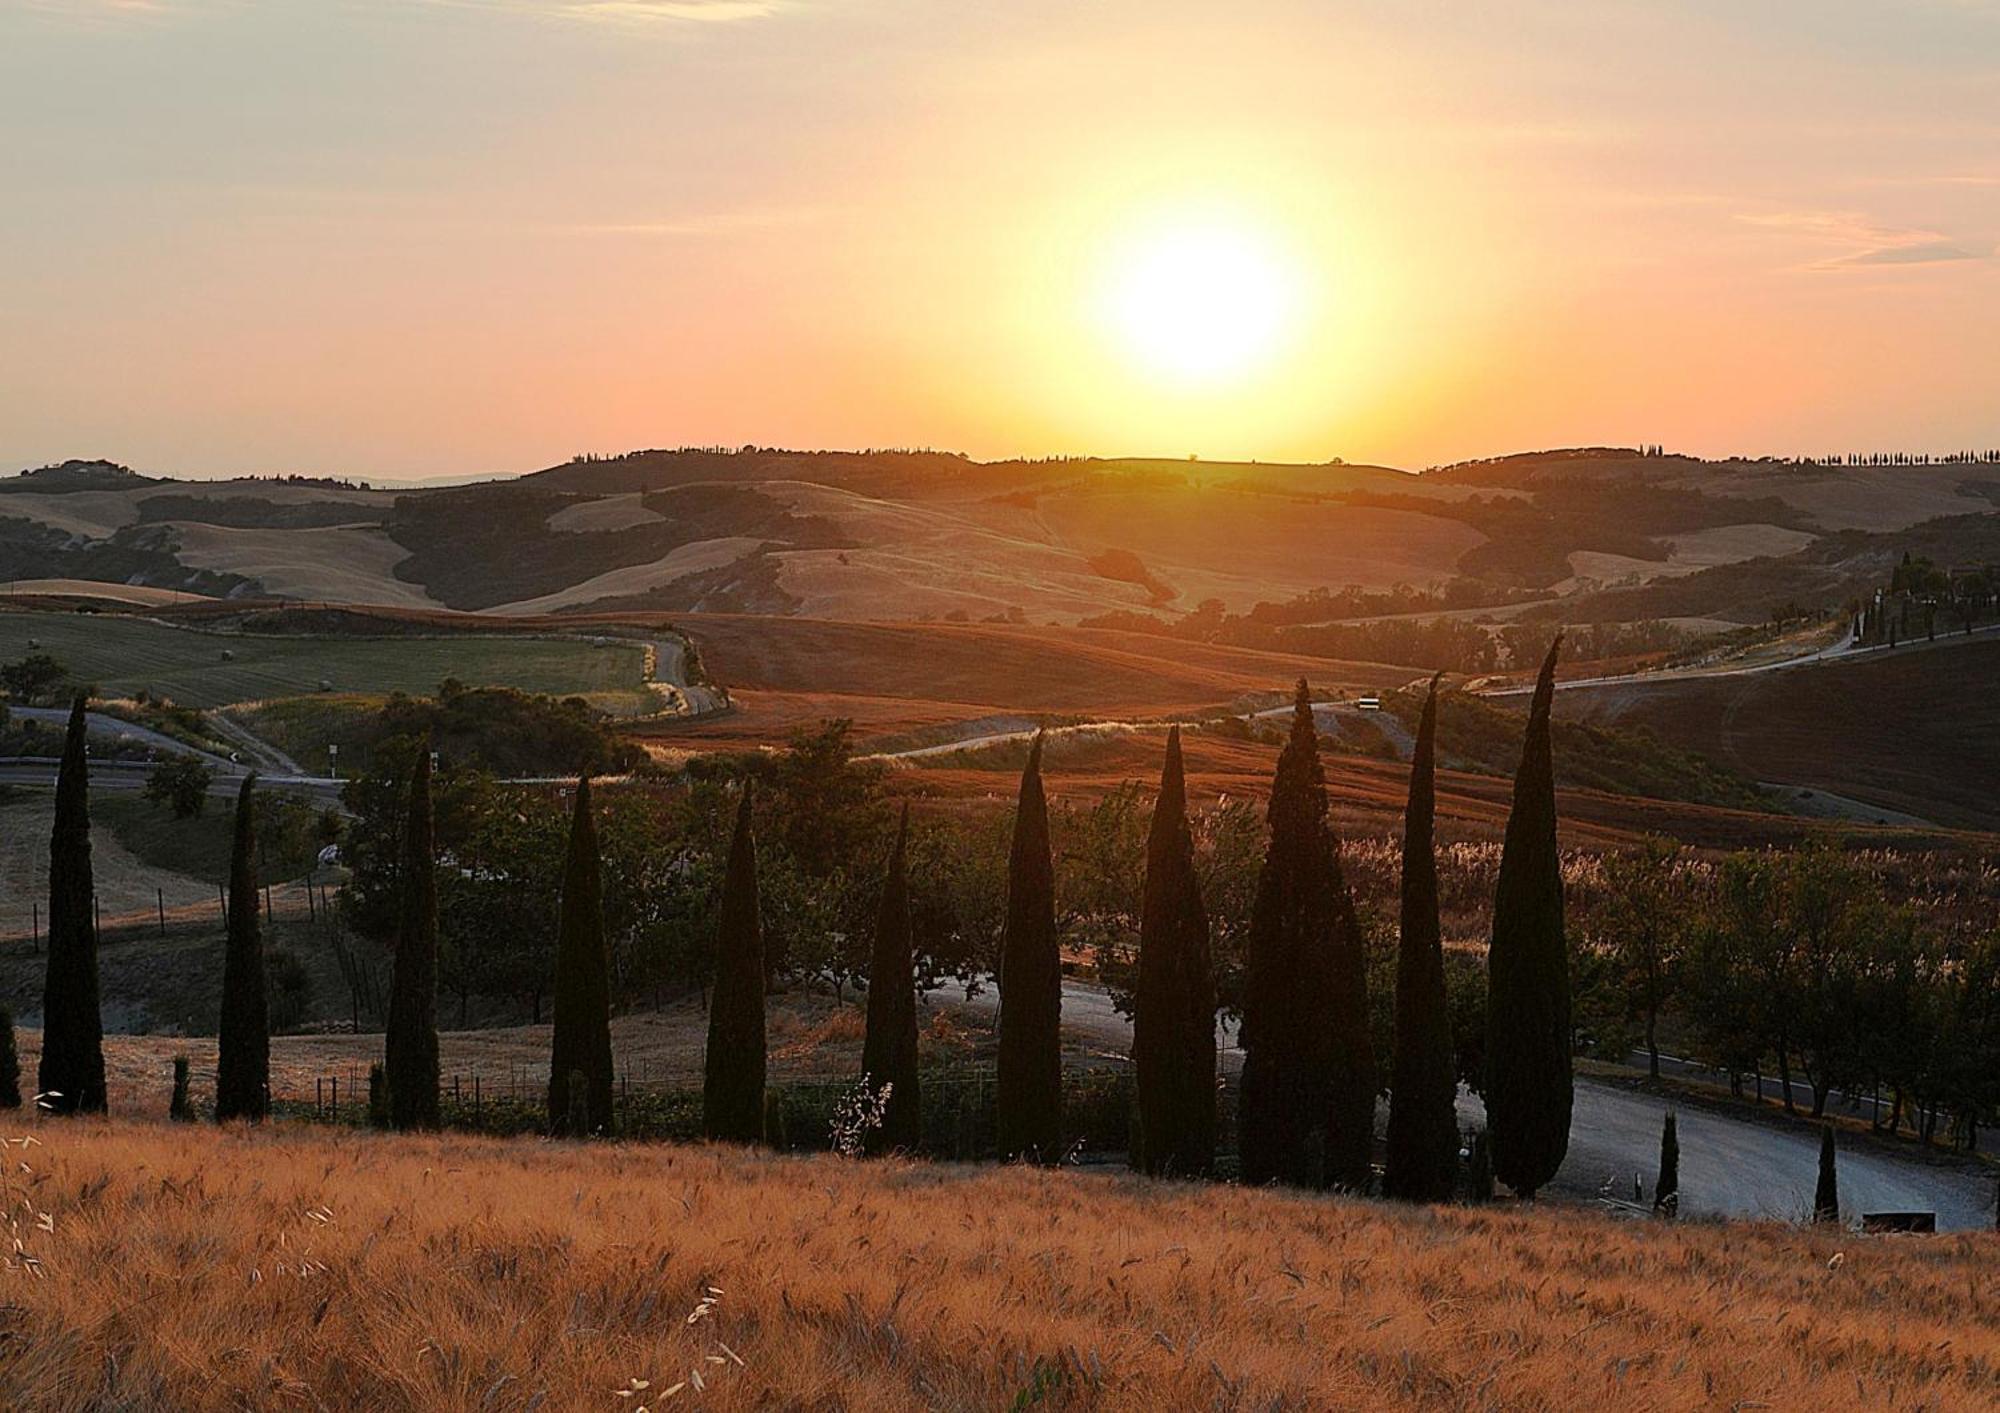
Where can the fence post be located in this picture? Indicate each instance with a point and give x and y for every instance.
(160, 895)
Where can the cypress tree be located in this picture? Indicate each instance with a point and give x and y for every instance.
(70, 1078)
(1173, 1028)
(582, 1041)
(1423, 1091)
(10, 1062)
(1826, 1194)
(411, 1046)
(1307, 1112)
(889, 1053)
(1667, 1189)
(1529, 1088)
(180, 1104)
(732, 1095)
(243, 1039)
(1028, 1098)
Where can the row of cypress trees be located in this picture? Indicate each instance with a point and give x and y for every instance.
(70, 1077)
(1309, 1078)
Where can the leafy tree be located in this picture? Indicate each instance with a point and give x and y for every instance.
(1423, 1094)
(1529, 1088)
(70, 1077)
(733, 1082)
(243, 1039)
(1173, 1033)
(1308, 1099)
(580, 1052)
(180, 784)
(411, 1046)
(1724, 979)
(36, 679)
(1643, 922)
(1028, 1084)
(889, 1050)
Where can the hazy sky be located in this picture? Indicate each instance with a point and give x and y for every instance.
(435, 237)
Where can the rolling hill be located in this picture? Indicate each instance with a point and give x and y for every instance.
(1605, 535)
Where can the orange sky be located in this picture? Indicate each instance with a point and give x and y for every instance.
(444, 237)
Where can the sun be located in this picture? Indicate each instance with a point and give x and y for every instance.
(1200, 303)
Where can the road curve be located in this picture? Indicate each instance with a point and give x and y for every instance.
(1729, 1166)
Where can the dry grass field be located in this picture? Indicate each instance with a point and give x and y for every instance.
(195, 1268)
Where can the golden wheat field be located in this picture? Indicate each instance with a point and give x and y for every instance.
(191, 1268)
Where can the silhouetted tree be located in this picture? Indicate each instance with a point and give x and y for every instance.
(410, 1051)
(243, 1039)
(1307, 1113)
(1423, 1093)
(1028, 1099)
(180, 1104)
(889, 1051)
(1173, 1027)
(1826, 1193)
(1667, 1187)
(1529, 1087)
(70, 1078)
(581, 1044)
(732, 1094)
(10, 1062)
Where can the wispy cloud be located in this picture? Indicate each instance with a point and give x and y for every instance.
(1863, 241)
(1930, 252)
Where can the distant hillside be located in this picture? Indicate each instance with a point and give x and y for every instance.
(1908, 730)
(1608, 535)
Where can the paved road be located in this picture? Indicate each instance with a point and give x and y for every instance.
(1730, 1167)
(1842, 649)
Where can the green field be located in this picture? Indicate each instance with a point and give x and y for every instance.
(124, 655)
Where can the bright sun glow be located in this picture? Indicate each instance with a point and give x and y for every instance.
(1200, 303)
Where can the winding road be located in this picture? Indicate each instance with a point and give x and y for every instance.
(1729, 1166)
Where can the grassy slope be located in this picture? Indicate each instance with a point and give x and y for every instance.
(124, 655)
(195, 1268)
(1906, 730)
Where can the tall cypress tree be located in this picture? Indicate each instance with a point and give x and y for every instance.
(243, 1039)
(1173, 1028)
(1529, 1088)
(889, 1053)
(1423, 1094)
(1028, 1101)
(1307, 1112)
(1826, 1192)
(732, 1095)
(71, 1073)
(410, 1059)
(582, 1039)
